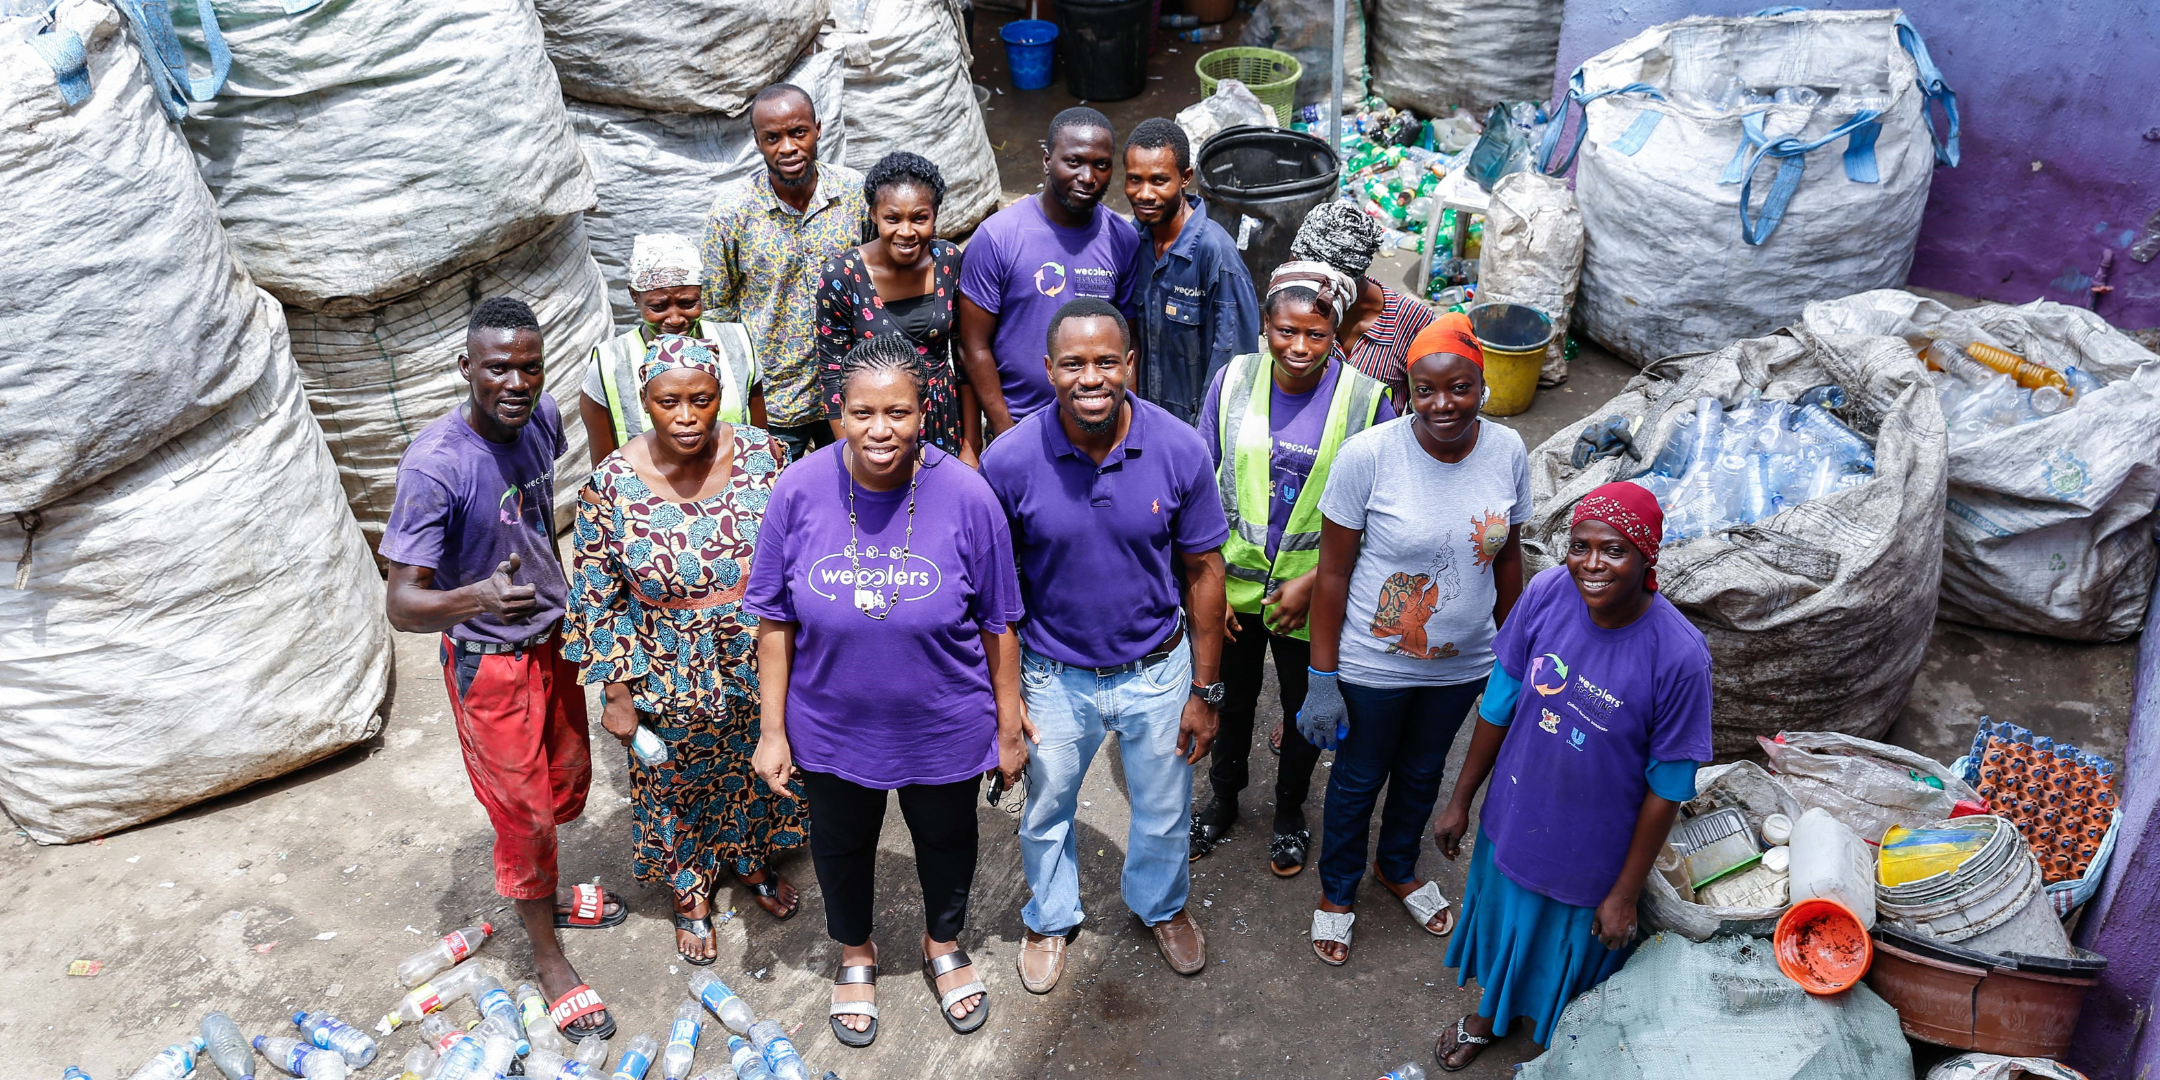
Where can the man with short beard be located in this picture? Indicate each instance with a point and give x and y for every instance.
(1197, 308)
(1032, 257)
(766, 241)
(1119, 532)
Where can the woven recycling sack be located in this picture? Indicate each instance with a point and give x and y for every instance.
(1710, 216)
(1306, 30)
(2050, 528)
(1532, 255)
(365, 148)
(693, 56)
(1817, 617)
(908, 87)
(128, 320)
(203, 619)
(1434, 56)
(379, 378)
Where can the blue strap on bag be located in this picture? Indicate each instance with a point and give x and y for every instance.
(63, 52)
(160, 43)
(1629, 141)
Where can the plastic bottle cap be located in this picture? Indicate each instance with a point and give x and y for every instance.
(1778, 859)
(1776, 829)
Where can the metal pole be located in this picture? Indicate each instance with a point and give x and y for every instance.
(1335, 93)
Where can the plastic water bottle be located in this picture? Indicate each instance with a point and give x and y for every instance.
(1408, 1071)
(494, 1003)
(430, 997)
(649, 748)
(222, 1040)
(419, 1062)
(440, 1034)
(1203, 33)
(300, 1058)
(592, 1053)
(1180, 22)
(744, 1059)
(74, 1073)
(545, 1064)
(442, 955)
(636, 1058)
(2081, 381)
(724, 1003)
(495, 1027)
(329, 1033)
(778, 1051)
(172, 1063)
(496, 1054)
(682, 1041)
(463, 1061)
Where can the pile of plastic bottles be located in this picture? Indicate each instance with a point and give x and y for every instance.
(512, 1034)
(1392, 164)
(1725, 467)
(1724, 93)
(1985, 388)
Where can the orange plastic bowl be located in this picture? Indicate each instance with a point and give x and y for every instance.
(1822, 946)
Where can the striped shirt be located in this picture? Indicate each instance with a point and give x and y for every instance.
(1382, 351)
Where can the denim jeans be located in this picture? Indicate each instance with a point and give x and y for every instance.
(1399, 738)
(1073, 708)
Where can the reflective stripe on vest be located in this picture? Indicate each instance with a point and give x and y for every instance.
(1242, 477)
(619, 357)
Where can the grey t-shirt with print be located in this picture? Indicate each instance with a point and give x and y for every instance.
(1422, 593)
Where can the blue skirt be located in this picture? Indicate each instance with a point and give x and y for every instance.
(1529, 953)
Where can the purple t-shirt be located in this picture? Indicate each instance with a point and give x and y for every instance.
(1297, 431)
(465, 504)
(905, 700)
(1597, 707)
(1098, 543)
(1021, 268)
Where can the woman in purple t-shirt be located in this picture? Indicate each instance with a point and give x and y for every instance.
(885, 589)
(1589, 769)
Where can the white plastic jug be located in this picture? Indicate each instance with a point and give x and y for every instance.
(1832, 862)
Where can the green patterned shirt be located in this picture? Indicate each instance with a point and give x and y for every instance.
(762, 267)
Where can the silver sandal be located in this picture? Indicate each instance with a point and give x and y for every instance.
(855, 975)
(937, 967)
(1462, 1038)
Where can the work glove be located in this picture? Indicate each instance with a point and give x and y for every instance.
(1610, 437)
(1323, 719)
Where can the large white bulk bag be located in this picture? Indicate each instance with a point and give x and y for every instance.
(2050, 529)
(658, 172)
(126, 319)
(687, 56)
(203, 619)
(364, 148)
(1705, 226)
(908, 88)
(1818, 616)
(1437, 55)
(378, 378)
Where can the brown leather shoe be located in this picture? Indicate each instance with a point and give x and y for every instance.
(1042, 961)
(1183, 946)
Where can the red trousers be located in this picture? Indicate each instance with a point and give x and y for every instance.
(521, 722)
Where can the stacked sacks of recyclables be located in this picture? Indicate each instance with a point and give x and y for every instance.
(908, 87)
(192, 609)
(381, 167)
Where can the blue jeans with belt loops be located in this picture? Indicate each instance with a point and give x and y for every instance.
(1073, 709)
(1399, 738)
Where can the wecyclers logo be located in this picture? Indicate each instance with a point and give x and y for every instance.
(869, 581)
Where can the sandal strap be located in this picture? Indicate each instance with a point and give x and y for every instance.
(1282, 841)
(940, 966)
(702, 927)
(768, 888)
(1426, 902)
(589, 902)
(855, 1008)
(1332, 925)
(961, 993)
(1463, 1036)
(857, 975)
(581, 1001)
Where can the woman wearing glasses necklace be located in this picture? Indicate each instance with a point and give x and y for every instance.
(885, 591)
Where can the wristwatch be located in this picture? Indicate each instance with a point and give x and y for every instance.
(1212, 693)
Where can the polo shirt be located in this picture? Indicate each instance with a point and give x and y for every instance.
(1098, 544)
(1197, 310)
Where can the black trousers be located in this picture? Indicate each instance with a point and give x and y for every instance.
(1244, 663)
(845, 819)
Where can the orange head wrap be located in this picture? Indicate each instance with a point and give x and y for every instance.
(1450, 333)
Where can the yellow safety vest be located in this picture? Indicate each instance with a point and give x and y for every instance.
(1242, 477)
(618, 359)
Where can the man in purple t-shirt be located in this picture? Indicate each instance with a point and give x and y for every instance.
(471, 546)
(1032, 257)
(1113, 510)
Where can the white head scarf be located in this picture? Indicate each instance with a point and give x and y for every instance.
(663, 261)
(1333, 285)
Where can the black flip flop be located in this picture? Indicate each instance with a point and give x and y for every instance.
(588, 910)
(855, 975)
(770, 890)
(703, 929)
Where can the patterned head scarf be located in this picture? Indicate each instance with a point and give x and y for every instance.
(1630, 508)
(671, 351)
(1336, 288)
(1340, 235)
(663, 261)
(1450, 333)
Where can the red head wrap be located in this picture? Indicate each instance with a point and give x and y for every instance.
(1631, 509)
(1450, 333)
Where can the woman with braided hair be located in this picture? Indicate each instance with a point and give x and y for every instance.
(1379, 325)
(885, 591)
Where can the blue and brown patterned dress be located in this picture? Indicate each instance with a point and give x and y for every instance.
(656, 601)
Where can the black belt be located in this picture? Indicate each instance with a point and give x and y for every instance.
(491, 648)
(1155, 656)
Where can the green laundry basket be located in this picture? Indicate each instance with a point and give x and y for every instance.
(1271, 76)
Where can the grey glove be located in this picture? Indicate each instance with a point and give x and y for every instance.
(1323, 719)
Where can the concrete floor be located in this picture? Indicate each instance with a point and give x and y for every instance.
(305, 892)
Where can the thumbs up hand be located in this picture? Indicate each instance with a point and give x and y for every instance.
(501, 597)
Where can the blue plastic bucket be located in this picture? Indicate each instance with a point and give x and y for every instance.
(1029, 45)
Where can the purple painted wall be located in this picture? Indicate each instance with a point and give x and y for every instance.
(2114, 1038)
(2072, 85)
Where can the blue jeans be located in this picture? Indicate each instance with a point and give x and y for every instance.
(1073, 709)
(1399, 738)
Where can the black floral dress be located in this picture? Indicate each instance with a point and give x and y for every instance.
(850, 312)
(656, 601)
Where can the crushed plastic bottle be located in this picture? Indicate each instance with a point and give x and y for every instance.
(1720, 467)
(494, 1003)
(592, 1053)
(465, 1060)
(440, 1034)
(648, 747)
(682, 1041)
(419, 1062)
(431, 996)
(497, 1052)
(744, 1059)
(172, 1063)
(545, 1064)
(301, 1058)
(1202, 33)
(1408, 1070)
(443, 955)
(778, 1051)
(636, 1058)
(723, 1002)
(533, 1014)
(329, 1033)
(2081, 381)
(228, 1048)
